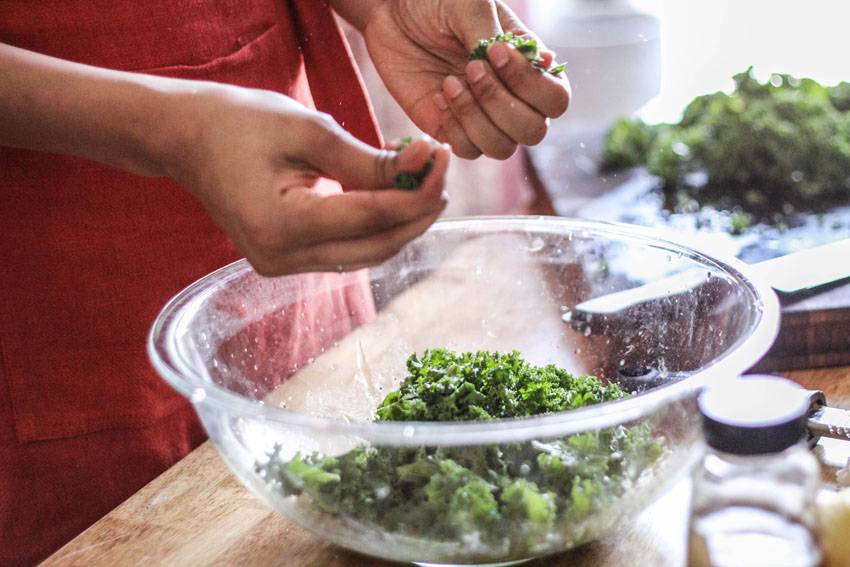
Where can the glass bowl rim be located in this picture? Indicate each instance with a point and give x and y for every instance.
(184, 376)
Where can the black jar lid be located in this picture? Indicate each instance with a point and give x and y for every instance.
(754, 414)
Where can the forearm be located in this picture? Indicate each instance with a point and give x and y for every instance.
(114, 117)
(355, 12)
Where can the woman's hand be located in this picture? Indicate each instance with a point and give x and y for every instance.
(421, 49)
(255, 159)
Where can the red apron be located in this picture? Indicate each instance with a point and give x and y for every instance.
(90, 254)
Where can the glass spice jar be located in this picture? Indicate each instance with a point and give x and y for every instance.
(754, 493)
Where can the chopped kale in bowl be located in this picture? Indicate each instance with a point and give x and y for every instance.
(520, 497)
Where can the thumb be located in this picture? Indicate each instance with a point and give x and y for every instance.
(357, 165)
(511, 23)
(473, 21)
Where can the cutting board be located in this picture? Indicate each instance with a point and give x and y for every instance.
(815, 329)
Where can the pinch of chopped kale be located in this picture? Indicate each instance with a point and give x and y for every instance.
(515, 495)
(407, 180)
(527, 46)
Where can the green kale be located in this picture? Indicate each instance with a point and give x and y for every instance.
(407, 180)
(765, 149)
(628, 143)
(511, 494)
(527, 46)
(447, 386)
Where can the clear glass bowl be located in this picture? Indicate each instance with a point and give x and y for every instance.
(270, 395)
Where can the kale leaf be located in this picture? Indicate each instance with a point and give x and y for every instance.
(407, 180)
(527, 46)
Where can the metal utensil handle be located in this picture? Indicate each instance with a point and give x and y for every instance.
(825, 421)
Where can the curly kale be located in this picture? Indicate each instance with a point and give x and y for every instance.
(411, 181)
(527, 46)
(766, 149)
(447, 386)
(516, 494)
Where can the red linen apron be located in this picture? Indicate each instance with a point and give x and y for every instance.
(90, 254)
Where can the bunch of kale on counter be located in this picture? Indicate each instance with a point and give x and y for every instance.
(512, 495)
(766, 150)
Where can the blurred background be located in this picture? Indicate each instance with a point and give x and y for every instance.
(645, 58)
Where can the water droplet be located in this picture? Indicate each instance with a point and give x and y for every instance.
(536, 245)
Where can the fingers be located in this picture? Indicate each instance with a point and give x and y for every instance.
(493, 118)
(502, 102)
(356, 213)
(338, 155)
(510, 114)
(475, 20)
(477, 125)
(355, 253)
(451, 132)
(544, 93)
(304, 219)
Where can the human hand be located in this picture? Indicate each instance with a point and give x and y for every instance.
(421, 49)
(255, 158)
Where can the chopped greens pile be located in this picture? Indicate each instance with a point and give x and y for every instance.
(407, 180)
(764, 151)
(514, 495)
(528, 47)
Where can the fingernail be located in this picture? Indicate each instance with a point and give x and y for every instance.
(453, 87)
(441, 101)
(475, 71)
(498, 55)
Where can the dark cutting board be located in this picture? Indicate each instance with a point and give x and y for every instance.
(815, 329)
